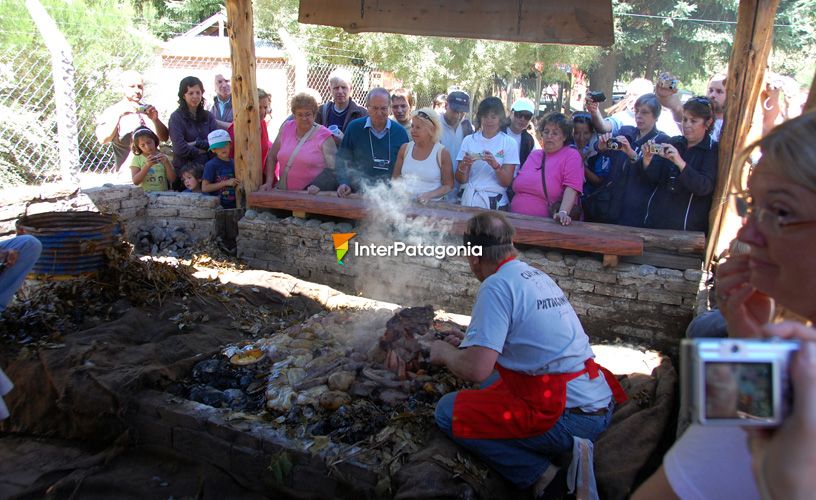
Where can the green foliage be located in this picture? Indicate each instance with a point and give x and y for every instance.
(103, 41)
(166, 19)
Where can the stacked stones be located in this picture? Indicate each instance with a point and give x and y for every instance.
(163, 240)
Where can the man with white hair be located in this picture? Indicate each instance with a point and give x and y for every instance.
(222, 103)
(341, 110)
(370, 146)
(623, 113)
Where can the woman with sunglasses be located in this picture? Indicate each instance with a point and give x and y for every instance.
(683, 172)
(779, 213)
(424, 169)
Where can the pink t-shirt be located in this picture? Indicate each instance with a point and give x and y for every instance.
(564, 169)
(309, 161)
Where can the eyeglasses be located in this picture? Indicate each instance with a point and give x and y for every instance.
(773, 222)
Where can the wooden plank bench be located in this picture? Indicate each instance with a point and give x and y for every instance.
(535, 231)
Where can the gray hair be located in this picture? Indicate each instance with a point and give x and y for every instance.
(378, 91)
(341, 74)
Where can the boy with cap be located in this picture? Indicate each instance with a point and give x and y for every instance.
(454, 129)
(219, 173)
(521, 113)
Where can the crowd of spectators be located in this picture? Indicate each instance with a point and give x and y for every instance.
(649, 160)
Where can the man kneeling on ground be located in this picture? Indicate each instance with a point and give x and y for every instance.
(548, 388)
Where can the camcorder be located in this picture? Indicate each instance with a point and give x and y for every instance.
(729, 382)
(596, 96)
(613, 144)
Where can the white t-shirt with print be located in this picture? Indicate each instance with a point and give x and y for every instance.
(483, 182)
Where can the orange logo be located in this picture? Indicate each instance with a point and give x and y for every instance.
(341, 245)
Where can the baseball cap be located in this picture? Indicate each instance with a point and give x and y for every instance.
(523, 104)
(218, 138)
(459, 101)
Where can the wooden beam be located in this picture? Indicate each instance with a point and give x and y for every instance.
(746, 70)
(580, 22)
(534, 231)
(247, 143)
(811, 102)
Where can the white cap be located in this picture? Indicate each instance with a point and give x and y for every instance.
(523, 104)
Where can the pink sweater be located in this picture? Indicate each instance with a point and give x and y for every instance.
(564, 169)
(309, 161)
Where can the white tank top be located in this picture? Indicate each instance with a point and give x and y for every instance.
(421, 176)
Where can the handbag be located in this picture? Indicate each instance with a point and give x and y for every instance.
(575, 212)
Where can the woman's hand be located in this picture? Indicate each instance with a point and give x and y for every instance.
(670, 153)
(423, 198)
(312, 189)
(266, 187)
(626, 147)
(746, 310)
(563, 218)
(602, 141)
(488, 157)
(784, 459)
(467, 161)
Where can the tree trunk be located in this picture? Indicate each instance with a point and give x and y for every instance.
(247, 143)
(603, 77)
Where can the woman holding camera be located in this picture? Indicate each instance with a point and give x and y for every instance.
(683, 172)
(488, 159)
(779, 211)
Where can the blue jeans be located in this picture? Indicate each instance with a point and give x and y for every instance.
(28, 250)
(522, 461)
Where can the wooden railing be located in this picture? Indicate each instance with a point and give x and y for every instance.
(613, 242)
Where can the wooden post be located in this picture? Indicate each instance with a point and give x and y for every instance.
(247, 143)
(62, 72)
(746, 70)
(811, 102)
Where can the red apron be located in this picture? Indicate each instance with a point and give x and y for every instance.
(519, 405)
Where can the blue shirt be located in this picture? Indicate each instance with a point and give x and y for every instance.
(363, 157)
(336, 117)
(217, 170)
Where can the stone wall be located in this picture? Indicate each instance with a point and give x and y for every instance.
(636, 303)
(195, 214)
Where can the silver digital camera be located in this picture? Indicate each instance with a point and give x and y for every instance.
(656, 149)
(741, 382)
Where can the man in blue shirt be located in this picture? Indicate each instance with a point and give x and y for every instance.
(341, 110)
(370, 146)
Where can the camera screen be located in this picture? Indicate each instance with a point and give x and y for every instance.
(739, 391)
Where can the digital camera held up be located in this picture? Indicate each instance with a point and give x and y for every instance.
(733, 382)
(666, 81)
(596, 96)
(656, 149)
(613, 144)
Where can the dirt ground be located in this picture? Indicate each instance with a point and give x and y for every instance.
(78, 353)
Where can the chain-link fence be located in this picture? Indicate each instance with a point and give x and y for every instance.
(29, 132)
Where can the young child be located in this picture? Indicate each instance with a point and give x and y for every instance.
(219, 173)
(191, 174)
(149, 167)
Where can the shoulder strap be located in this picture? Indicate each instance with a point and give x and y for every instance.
(285, 173)
(324, 113)
(544, 177)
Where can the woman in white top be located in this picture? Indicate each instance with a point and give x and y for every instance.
(423, 166)
(488, 159)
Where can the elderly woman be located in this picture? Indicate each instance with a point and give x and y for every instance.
(303, 150)
(487, 159)
(779, 211)
(683, 173)
(557, 164)
(190, 124)
(424, 167)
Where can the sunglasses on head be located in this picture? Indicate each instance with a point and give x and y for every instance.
(424, 115)
(524, 114)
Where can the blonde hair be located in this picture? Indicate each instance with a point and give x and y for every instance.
(787, 151)
(432, 116)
